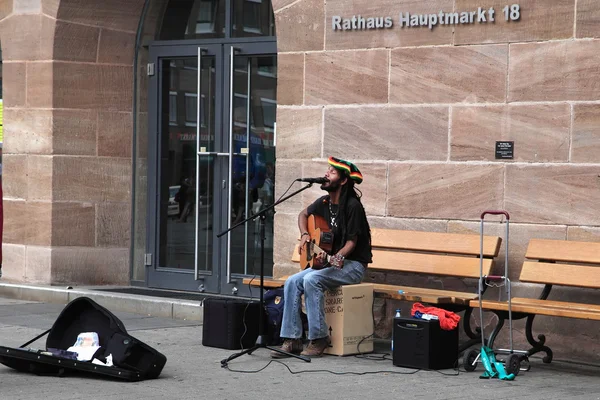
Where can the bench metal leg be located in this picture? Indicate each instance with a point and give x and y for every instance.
(467, 325)
(537, 345)
(474, 337)
(495, 332)
(469, 343)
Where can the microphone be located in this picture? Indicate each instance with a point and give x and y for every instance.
(313, 180)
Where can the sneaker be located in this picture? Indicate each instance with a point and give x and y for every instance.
(293, 346)
(316, 347)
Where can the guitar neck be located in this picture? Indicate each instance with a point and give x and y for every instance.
(317, 250)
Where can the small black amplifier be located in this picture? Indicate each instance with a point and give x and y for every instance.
(422, 344)
(223, 325)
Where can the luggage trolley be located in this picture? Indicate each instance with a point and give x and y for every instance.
(487, 355)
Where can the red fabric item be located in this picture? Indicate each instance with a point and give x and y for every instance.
(448, 319)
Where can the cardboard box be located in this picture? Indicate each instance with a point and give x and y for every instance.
(349, 316)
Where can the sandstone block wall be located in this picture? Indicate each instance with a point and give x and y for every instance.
(419, 111)
(68, 139)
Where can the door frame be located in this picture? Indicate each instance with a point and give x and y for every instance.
(218, 281)
(158, 276)
(231, 283)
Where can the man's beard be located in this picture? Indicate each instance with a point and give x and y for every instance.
(332, 187)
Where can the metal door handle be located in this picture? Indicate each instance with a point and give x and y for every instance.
(214, 153)
(198, 101)
(230, 179)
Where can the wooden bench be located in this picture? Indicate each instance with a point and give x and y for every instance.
(429, 254)
(550, 263)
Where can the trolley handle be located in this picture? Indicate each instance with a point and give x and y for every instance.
(495, 212)
(494, 278)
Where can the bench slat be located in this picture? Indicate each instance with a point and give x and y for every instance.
(449, 293)
(433, 296)
(295, 255)
(563, 250)
(420, 297)
(560, 274)
(523, 305)
(267, 283)
(432, 264)
(558, 304)
(437, 242)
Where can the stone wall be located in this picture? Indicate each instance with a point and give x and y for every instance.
(68, 82)
(419, 111)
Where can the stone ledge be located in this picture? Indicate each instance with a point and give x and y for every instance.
(137, 304)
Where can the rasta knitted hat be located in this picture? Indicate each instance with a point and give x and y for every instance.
(347, 167)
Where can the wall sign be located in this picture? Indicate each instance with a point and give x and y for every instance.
(505, 150)
(482, 15)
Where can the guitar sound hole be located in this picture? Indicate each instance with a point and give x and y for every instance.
(326, 238)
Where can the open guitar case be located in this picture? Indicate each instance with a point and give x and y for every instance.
(132, 359)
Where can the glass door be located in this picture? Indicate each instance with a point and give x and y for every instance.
(187, 101)
(212, 164)
(252, 121)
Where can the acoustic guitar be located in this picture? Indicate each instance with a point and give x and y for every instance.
(321, 240)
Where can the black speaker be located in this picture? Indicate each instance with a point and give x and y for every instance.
(227, 320)
(422, 344)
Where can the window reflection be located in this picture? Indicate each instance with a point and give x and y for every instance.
(263, 103)
(268, 108)
(256, 18)
(204, 19)
(178, 172)
(191, 106)
(172, 108)
(207, 19)
(254, 181)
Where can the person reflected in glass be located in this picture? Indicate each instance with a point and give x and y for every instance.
(189, 198)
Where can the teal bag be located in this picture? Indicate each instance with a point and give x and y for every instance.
(488, 359)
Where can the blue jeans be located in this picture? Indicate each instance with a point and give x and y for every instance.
(313, 283)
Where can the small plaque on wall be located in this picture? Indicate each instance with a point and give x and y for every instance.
(505, 150)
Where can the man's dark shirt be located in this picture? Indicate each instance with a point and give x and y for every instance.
(356, 225)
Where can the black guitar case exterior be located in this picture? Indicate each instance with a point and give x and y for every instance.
(132, 359)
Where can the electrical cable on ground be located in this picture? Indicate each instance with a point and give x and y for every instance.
(360, 355)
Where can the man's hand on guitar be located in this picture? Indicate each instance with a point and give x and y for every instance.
(320, 260)
(337, 261)
(304, 239)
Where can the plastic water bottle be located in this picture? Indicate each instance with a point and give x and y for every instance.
(393, 327)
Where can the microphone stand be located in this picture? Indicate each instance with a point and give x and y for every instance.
(261, 341)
